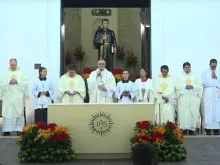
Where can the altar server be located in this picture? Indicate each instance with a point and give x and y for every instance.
(211, 97)
(126, 89)
(165, 96)
(71, 87)
(101, 84)
(14, 92)
(43, 92)
(188, 88)
(144, 85)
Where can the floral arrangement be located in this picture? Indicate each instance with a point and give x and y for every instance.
(120, 54)
(86, 72)
(45, 143)
(78, 53)
(68, 57)
(167, 138)
(131, 59)
(117, 74)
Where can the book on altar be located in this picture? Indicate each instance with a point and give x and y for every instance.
(101, 85)
(71, 89)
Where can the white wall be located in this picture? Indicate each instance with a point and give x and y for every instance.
(184, 30)
(30, 32)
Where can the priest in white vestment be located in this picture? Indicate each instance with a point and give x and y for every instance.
(125, 89)
(165, 96)
(144, 86)
(71, 87)
(211, 98)
(101, 84)
(14, 92)
(43, 92)
(188, 89)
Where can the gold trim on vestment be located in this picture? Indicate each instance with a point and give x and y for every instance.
(14, 70)
(168, 76)
(69, 76)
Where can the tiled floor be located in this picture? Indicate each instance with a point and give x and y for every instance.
(202, 150)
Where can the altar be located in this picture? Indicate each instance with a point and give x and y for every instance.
(100, 130)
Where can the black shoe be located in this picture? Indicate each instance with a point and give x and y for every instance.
(184, 132)
(18, 133)
(6, 134)
(192, 132)
(208, 131)
(216, 132)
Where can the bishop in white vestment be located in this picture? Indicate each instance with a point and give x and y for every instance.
(14, 92)
(188, 89)
(101, 84)
(165, 96)
(71, 87)
(43, 92)
(126, 89)
(144, 86)
(211, 98)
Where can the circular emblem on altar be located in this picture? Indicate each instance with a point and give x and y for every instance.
(101, 123)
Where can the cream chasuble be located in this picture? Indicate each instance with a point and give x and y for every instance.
(71, 84)
(105, 80)
(188, 100)
(145, 91)
(165, 85)
(13, 96)
(211, 99)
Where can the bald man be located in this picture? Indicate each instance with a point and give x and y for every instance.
(14, 92)
(101, 84)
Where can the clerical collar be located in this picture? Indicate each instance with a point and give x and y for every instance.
(161, 76)
(14, 70)
(144, 79)
(43, 79)
(125, 81)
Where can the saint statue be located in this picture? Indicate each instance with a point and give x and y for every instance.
(105, 42)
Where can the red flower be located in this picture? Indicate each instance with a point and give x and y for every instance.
(156, 136)
(143, 124)
(145, 138)
(51, 126)
(87, 70)
(119, 53)
(61, 136)
(77, 53)
(41, 125)
(137, 139)
(171, 125)
(22, 134)
(116, 71)
(142, 138)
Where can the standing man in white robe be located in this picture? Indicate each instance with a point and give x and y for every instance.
(144, 86)
(166, 96)
(43, 93)
(211, 97)
(188, 89)
(14, 92)
(101, 84)
(126, 89)
(71, 87)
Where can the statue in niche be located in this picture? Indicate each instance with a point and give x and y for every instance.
(105, 42)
